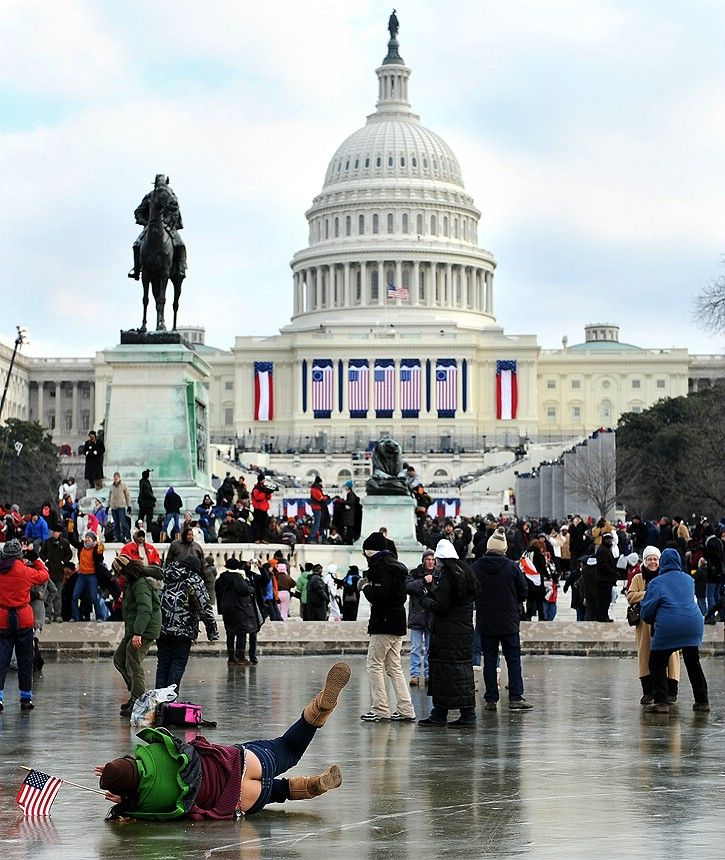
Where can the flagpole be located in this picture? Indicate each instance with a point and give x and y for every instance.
(74, 784)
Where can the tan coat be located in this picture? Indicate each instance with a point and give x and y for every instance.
(643, 634)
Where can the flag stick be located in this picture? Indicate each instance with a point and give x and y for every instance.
(74, 784)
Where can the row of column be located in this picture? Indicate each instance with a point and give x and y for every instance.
(335, 286)
(75, 407)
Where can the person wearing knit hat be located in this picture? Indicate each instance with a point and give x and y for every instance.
(502, 590)
(677, 625)
(285, 586)
(497, 543)
(17, 577)
(449, 599)
(419, 619)
(635, 594)
(384, 589)
(164, 779)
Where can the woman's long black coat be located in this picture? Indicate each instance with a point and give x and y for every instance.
(451, 683)
(236, 602)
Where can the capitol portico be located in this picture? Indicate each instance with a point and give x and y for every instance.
(393, 326)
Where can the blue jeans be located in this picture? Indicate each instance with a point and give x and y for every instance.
(121, 525)
(549, 611)
(511, 647)
(476, 648)
(316, 520)
(419, 638)
(712, 596)
(277, 756)
(172, 518)
(20, 639)
(88, 581)
(173, 655)
(702, 605)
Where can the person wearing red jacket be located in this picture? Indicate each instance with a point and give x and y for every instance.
(318, 502)
(261, 494)
(138, 549)
(17, 577)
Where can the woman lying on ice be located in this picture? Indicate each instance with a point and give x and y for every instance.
(167, 778)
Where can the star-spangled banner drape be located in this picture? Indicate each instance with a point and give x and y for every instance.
(410, 387)
(446, 387)
(445, 508)
(357, 387)
(322, 387)
(507, 397)
(38, 792)
(263, 391)
(384, 379)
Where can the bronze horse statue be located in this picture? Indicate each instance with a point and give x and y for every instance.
(157, 258)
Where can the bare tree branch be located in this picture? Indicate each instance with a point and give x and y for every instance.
(709, 308)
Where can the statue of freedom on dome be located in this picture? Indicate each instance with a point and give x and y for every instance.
(393, 25)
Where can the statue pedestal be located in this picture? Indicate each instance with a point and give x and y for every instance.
(397, 514)
(157, 418)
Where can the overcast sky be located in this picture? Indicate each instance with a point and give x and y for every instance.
(590, 133)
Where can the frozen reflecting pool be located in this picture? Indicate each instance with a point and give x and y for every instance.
(585, 774)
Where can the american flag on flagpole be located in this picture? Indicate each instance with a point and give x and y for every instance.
(322, 387)
(410, 387)
(38, 792)
(446, 387)
(384, 380)
(398, 292)
(357, 387)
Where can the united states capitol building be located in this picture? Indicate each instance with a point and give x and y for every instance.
(393, 329)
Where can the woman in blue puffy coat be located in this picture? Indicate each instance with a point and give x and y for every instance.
(677, 624)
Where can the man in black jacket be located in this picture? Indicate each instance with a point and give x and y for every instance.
(501, 591)
(384, 588)
(606, 576)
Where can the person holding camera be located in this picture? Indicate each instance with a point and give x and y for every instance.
(17, 576)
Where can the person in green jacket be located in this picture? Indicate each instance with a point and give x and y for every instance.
(141, 613)
(302, 589)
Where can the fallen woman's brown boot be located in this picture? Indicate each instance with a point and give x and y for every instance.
(320, 708)
(306, 787)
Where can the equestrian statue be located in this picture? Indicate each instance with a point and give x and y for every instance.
(159, 253)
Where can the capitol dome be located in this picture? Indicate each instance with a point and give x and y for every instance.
(393, 235)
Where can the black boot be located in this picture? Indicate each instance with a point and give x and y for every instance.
(181, 261)
(231, 659)
(242, 659)
(647, 697)
(672, 690)
(135, 273)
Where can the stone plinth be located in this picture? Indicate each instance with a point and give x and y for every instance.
(157, 418)
(397, 515)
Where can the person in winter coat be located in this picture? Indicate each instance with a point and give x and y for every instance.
(56, 552)
(669, 605)
(318, 596)
(449, 599)
(419, 618)
(171, 779)
(285, 586)
(138, 549)
(536, 552)
(172, 505)
(351, 594)
(17, 577)
(352, 517)
(236, 600)
(209, 574)
(643, 632)
(94, 451)
(384, 589)
(713, 553)
(501, 593)
(92, 577)
(146, 499)
(184, 546)
(261, 494)
(318, 500)
(606, 576)
(37, 532)
(142, 623)
(184, 602)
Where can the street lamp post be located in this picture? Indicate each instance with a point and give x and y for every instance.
(19, 341)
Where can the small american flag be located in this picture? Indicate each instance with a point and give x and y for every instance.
(38, 792)
(398, 292)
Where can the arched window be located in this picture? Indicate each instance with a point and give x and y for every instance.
(375, 223)
(378, 162)
(421, 285)
(374, 285)
(367, 162)
(358, 286)
(445, 225)
(390, 222)
(361, 225)
(327, 228)
(390, 161)
(357, 163)
(455, 228)
(405, 223)
(348, 225)
(605, 412)
(337, 227)
(414, 162)
(419, 225)
(433, 226)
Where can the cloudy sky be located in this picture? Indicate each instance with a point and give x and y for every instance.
(591, 135)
